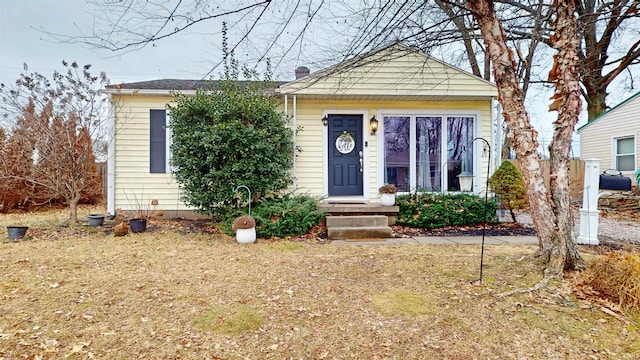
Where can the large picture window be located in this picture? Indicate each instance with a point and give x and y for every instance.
(427, 153)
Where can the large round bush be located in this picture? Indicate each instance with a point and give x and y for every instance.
(225, 137)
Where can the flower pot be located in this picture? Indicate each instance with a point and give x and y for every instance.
(96, 219)
(387, 199)
(138, 225)
(246, 236)
(16, 232)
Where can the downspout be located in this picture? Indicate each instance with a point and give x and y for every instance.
(111, 158)
(499, 136)
(295, 117)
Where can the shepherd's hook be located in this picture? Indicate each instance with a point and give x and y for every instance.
(249, 191)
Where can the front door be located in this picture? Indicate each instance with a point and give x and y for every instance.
(345, 155)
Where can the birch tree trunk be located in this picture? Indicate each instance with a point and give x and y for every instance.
(567, 101)
(554, 234)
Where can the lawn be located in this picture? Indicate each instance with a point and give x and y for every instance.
(79, 292)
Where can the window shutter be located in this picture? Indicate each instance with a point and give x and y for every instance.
(158, 143)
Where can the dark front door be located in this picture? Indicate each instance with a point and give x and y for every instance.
(345, 155)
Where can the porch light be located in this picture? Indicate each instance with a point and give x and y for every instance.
(373, 125)
(466, 179)
(325, 121)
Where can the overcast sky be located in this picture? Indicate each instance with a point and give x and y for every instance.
(23, 40)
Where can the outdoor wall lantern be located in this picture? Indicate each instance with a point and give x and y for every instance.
(325, 120)
(373, 125)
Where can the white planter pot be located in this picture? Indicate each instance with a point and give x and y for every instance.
(387, 199)
(246, 236)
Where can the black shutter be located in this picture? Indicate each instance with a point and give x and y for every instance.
(158, 144)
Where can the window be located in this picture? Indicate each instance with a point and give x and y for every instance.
(159, 139)
(625, 154)
(396, 151)
(427, 153)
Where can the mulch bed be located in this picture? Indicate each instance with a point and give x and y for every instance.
(502, 229)
(318, 233)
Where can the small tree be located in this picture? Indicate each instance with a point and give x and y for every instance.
(230, 136)
(58, 118)
(507, 183)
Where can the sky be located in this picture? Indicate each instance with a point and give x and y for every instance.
(25, 28)
(24, 39)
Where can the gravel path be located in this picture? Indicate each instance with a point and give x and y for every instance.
(610, 228)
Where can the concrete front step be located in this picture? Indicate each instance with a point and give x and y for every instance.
(357, 221)
(358, 234)
(340, 209)
(358, 227)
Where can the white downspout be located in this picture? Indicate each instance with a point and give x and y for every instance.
(295, 117)
(111, 158)
(499, 136)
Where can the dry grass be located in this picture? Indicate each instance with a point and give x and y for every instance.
(617, 278)
(81, 293)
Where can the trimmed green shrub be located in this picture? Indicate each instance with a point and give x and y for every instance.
(436, 211)
(229, 137)
(508, 186)
(281, 217)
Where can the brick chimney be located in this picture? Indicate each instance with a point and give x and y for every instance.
(302, 71)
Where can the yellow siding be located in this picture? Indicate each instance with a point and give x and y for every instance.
(310, 163)
(393, 72)
(133, 181)
(597, 138)
(401, 81)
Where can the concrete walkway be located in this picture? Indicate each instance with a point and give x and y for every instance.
(445, 240)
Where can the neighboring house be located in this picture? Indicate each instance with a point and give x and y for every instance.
(426, 114)
(612, 137)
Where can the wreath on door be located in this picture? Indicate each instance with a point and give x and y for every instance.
(345, 142)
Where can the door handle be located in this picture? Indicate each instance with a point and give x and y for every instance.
(360, 154)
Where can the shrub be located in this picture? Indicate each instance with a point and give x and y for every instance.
(617, 278)
(508, 185)
(436, 211)
(230, 136)
(281, 217)
(287, 216)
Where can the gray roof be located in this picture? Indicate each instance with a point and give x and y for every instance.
(177, 84)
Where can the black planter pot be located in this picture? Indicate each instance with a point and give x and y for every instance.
(138, 225)
(96, 219)
(16, 232)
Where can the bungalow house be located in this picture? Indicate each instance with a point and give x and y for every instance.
(393, 115)
(612, 137)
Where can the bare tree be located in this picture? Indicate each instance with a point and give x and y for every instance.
(552, 212)
(57, 119)
(610, 46)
